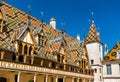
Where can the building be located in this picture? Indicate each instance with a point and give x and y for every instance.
(94, 49)
(111, 65)
(33, 51)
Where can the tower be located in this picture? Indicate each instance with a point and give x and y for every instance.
(94, 49)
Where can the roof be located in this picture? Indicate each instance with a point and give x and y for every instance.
(15, 24)
(93, 35)
(112, 54)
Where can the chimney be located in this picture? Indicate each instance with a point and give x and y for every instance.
(106, 49)
(78, 37)
(53, 22)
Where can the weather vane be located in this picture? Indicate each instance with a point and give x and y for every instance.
(42, 16)
(29, 8)
(63, 27)
(92, 13)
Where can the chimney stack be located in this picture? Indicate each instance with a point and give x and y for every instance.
(53, 22)
(78, 37)
(106, 49)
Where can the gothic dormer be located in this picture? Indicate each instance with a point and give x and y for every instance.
(40, 35)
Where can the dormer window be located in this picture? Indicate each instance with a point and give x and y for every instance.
(92, 61)
(41, 40)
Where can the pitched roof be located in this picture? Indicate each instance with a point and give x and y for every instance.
(93, 35)
(112, 54)
(17, 19)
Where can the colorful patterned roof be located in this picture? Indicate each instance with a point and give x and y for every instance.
(112, 54)
(16, 21)
(93, 35)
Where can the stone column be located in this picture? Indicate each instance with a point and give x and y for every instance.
(73, 79)
(78, 79)
(35, 77)
(17, 57)
(32, 60)
(41, 62)
(23, 45)
(64, 78)
(83, 80)
(25, 58)
(46, 78)
(18, 77)
(50, 63)
(56, 79)
(32, 51)
(28, 46)
(2, 54)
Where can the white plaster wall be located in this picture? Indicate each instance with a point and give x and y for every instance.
(95, 53)
(115, 76)
(112, 80)
(28, 38)
(97, 74)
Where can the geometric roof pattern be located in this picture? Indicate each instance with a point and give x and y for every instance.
(16, 21)
(93, 35)
(112, 54)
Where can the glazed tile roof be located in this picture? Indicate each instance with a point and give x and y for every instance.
(15, 23)
(92, 35)
(112, 54)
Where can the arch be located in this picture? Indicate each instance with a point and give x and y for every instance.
(30, 50)
(20, 58)
(3, 79)
(25, 49)
(14, 58)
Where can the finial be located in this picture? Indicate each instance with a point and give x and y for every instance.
(92, 13)
(29, 8)
(42, 16)
(29, 12)
(63, 27)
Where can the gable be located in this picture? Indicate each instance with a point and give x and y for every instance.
(27, 37)
(62, 51)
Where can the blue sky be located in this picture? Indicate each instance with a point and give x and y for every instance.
(76, 13)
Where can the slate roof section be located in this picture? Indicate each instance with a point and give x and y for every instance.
(16, 19)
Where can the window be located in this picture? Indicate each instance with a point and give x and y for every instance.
(118, 54)
(3, 79)
(100, 70)
(100, 78)
(109, 71)
(119, 68)
(99, 48)
(92, 61)
(95, 70)
(16, 76)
